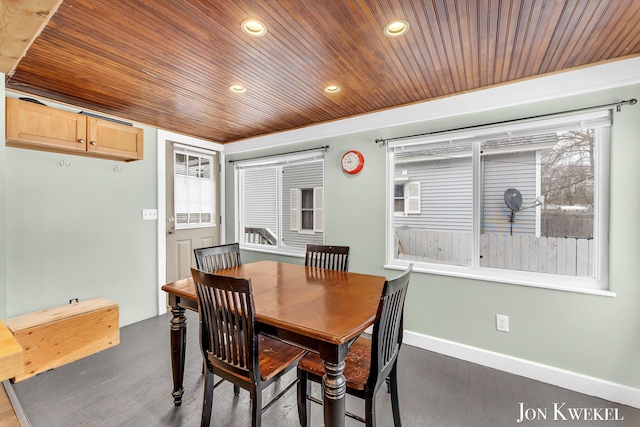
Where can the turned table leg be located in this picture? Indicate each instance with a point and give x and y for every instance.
(178, 344)
(335, 386)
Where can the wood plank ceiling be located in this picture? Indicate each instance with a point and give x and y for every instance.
(20, 23)
(169, 64)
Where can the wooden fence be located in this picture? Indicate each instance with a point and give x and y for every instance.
(565, 224)
(556, 255)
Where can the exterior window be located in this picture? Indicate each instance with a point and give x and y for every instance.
(527, 203)
(406, 198)
(194, 189)
(306, 210)
(281, 202)
(398, 198)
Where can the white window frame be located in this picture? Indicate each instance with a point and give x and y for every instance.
(212, 157)
(600, 120)
(279, 161)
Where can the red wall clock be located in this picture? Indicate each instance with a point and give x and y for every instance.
(352, 162)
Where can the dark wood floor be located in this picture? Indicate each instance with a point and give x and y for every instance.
(130, 385)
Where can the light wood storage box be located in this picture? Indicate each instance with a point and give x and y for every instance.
(10, 354)
(60, 335)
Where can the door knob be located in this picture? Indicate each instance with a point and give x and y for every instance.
(172, 230)
(93, 143)
(171, 219)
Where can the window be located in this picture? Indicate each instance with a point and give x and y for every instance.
(306, 210)
(525, 203)
(194, 189)
(281, 202)
(406, 198)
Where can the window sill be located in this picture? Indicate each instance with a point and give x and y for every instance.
(489, 276)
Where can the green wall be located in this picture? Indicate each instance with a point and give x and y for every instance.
(77, 232)
(597, 336)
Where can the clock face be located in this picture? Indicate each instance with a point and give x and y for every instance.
(352, 162)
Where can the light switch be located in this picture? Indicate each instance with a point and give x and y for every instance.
(149, 214)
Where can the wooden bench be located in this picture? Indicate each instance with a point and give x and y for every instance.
(60, 335)
(10, 354)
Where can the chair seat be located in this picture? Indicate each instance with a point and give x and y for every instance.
(357, 362)
(275, 356)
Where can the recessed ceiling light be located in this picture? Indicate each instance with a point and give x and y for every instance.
(254, 27)
(396, 28)
(332, 89)
(237, 89)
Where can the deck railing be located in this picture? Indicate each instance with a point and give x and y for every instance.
(259, 235)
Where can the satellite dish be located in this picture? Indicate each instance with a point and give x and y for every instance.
(513, 199)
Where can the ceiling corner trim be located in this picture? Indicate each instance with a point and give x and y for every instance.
(165, 135)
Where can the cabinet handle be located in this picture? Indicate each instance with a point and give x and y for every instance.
(81, 141)
(93, 143)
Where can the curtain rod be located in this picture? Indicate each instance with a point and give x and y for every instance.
(614, 104)
(324, 148)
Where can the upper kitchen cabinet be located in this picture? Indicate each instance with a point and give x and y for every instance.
(38, 127)
(111, 139)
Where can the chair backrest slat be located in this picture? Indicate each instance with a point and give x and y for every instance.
(329, 257)
(227, 321)
(217, 257)
(387, 329)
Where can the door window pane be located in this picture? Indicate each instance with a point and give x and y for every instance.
(194, 190)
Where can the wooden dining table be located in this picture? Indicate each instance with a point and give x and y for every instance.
(317, 309)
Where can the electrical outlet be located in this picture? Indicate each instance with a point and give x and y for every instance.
(502, 323)
(149, 214)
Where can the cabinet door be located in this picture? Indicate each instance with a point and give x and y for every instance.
(114, 139)
(37, 126)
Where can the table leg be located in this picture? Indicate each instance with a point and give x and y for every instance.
(335, 386)
(178, 345)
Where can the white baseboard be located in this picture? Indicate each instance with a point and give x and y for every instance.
(592, 386)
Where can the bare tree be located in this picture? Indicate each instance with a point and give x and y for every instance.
(568, 169)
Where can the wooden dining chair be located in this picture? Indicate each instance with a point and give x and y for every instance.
(325, 256)
(369, 362)
(214, 258)
(230, 346)
(217, 257)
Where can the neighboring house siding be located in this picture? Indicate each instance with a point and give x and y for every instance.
(305, 175)
(446, 195)
(500, 172)
(260, 198)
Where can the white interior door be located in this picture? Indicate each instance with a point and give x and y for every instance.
(192, 206)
